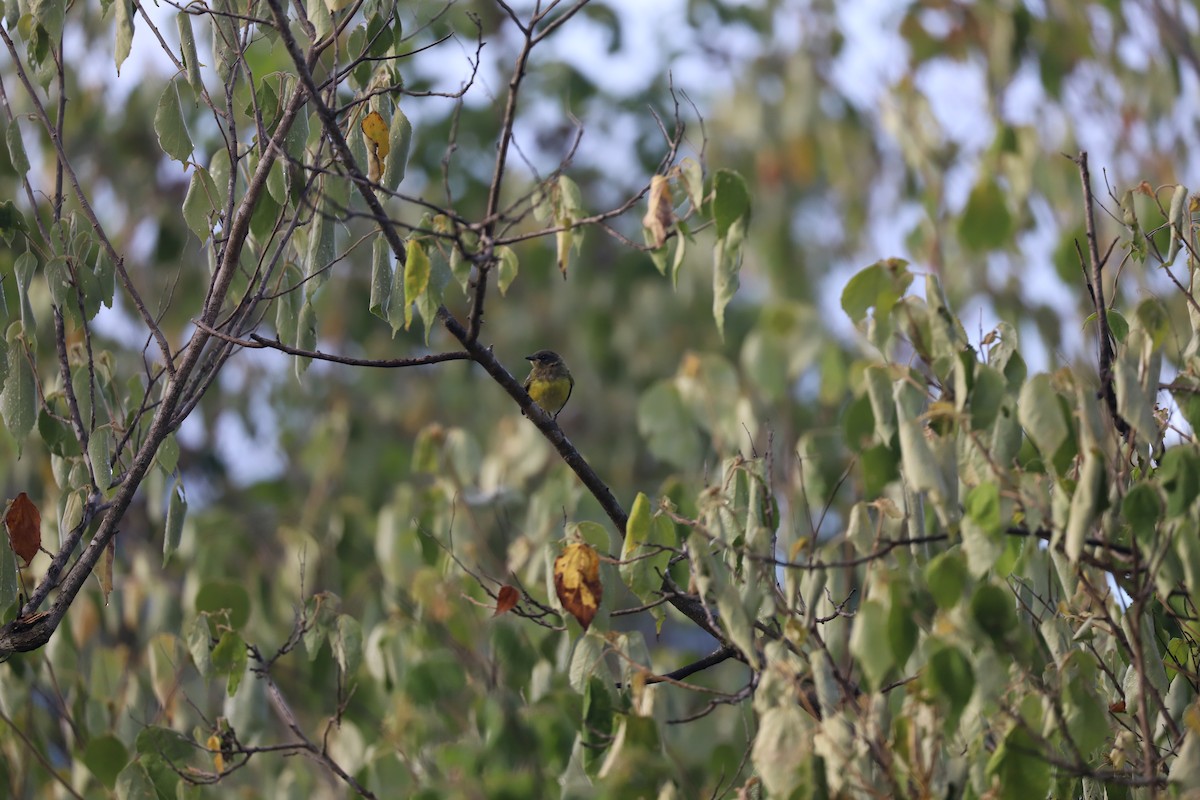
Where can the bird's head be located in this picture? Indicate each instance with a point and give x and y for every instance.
(545, 357)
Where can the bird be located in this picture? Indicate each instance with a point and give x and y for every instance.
(549, 382)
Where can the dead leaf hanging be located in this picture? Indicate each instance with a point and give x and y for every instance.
(24, 524)
(577, 582)
(506, 600)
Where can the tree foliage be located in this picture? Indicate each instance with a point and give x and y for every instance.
(799, 532)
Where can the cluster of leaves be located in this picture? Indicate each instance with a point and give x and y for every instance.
(993, 592)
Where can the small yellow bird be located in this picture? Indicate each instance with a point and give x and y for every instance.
(549, 382)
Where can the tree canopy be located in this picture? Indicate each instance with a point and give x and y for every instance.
(878, 476)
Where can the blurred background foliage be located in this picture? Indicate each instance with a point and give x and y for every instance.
(931, 131)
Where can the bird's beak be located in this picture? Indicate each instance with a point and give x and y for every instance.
(531, 358)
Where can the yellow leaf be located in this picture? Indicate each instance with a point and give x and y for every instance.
(214, 746)
(577, 582)
(375, 135)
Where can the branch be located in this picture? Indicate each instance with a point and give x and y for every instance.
(1097, 281)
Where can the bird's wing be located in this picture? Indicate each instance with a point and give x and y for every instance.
(570, 389)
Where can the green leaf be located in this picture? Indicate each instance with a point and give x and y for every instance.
(596, 732)
(321, 250)
(644, 555)
(106, 756)
(18, 401)
(1019, 770)
(736, 621)
(164, 742)
(199, 644)
(134, 782)
(666, 425)
(381, 277)
(949, 676)
(191, 62)
(229, 658)
(399, 141)
(994, 610)
(167, 456)
(16, 148)
(1142, 509)
(731, 201)
(176, 512)
(124, 18)
(867, 642)
(986, 222)
(100, 456)
(946, 576)
(902, 627)
(1041, 415)
(878, 286)
(508, 265)
(347, 645)
(219, 596)
(8, 575)
(172, 133)
(306, 335)
(1089, 499)
(49, 14)
(12, 221)
(200, 204)
(416, 277)
(727, 264)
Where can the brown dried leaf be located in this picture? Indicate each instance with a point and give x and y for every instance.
(577, 582)
(660, 216)
(507, 600)
(24, 524)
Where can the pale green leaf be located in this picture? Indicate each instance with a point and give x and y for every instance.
(191, 62)
(666, 425)
(306, 335)
(727, 264)
(16, 148)
(124, 18)
(134, 782)
(868, 642)
(782, 748)
(1041, 415)
(400, 142)
(381, 277)
(730, 203)
(347, 645)
(176, 512)
(201, 203)
(172, 132)
(18, 401)
(508, 265)
(100, 455)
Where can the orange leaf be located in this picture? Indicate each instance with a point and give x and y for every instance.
(1117, 707)
(24, 524)
(507, 600)
(577, 582)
